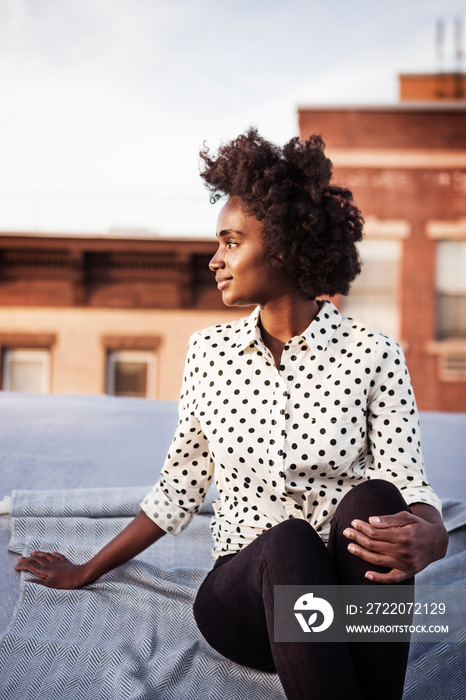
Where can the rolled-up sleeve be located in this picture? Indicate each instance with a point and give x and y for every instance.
(393, 428)
(188, 469)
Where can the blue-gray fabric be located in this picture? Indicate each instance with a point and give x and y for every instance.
(131, 634)
(438, 671)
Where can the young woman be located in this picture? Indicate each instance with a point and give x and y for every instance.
(306, 421)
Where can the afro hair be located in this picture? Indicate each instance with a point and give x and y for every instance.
(310, 226)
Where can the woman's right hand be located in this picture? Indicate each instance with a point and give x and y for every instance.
(53, 570)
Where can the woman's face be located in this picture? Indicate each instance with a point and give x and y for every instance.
(242, 272)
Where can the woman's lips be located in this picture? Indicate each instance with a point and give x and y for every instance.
(221, 283)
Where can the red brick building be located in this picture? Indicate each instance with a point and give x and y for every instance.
(95, 314)
(406, 167)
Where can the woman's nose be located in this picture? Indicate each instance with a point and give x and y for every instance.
(217, 261)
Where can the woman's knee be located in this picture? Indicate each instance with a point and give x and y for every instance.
(293, 533)
(379, 491)
(371, 497)
(293, 553)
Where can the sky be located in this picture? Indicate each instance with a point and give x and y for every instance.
(106, 103)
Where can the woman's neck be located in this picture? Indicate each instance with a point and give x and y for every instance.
(282, 319)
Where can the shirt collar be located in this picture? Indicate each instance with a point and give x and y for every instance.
(319, 332)
(316, 335)
(248, 333)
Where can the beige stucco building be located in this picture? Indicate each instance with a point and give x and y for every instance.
(94, 315)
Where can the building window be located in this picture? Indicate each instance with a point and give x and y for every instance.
(451, 289)
(131, 373)
(373, 296)
(453, 366)
(26, 370)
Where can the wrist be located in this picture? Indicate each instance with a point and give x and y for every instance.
(88, 573)
(439, 537)
(441, 541)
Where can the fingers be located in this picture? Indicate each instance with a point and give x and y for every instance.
(59, 556)
(39, 564)
(51, 569)
(396, 542)
(51, 556)
(396, 545)
(388, 556)
(365, 538)
(28, 564)
(386, 527)
(385, 537)
(400, 519)
(393, 576)
(43, 557)
(386, 560)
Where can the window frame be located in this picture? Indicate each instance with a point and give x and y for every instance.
(147, 357)
(20, 354)
(445, 290)
(363, 296)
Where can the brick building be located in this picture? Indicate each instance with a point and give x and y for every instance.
(90, 314)
(406, 167)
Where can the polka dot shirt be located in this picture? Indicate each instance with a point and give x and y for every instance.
(287, 442)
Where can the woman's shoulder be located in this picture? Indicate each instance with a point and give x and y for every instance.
(370, 339)
(227, 334)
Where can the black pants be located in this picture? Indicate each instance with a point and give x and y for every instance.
(234, 606)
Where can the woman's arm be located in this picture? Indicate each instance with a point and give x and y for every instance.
(404, 542)
(55, 571)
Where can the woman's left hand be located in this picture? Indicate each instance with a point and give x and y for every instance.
(403, 542)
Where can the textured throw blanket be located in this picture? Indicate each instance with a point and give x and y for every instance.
(438, 671)
(132, 636)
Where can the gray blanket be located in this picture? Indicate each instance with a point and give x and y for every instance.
(131, 635)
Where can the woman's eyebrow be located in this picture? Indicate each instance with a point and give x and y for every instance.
(227, 231)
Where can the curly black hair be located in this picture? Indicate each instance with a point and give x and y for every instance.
(310, 225)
